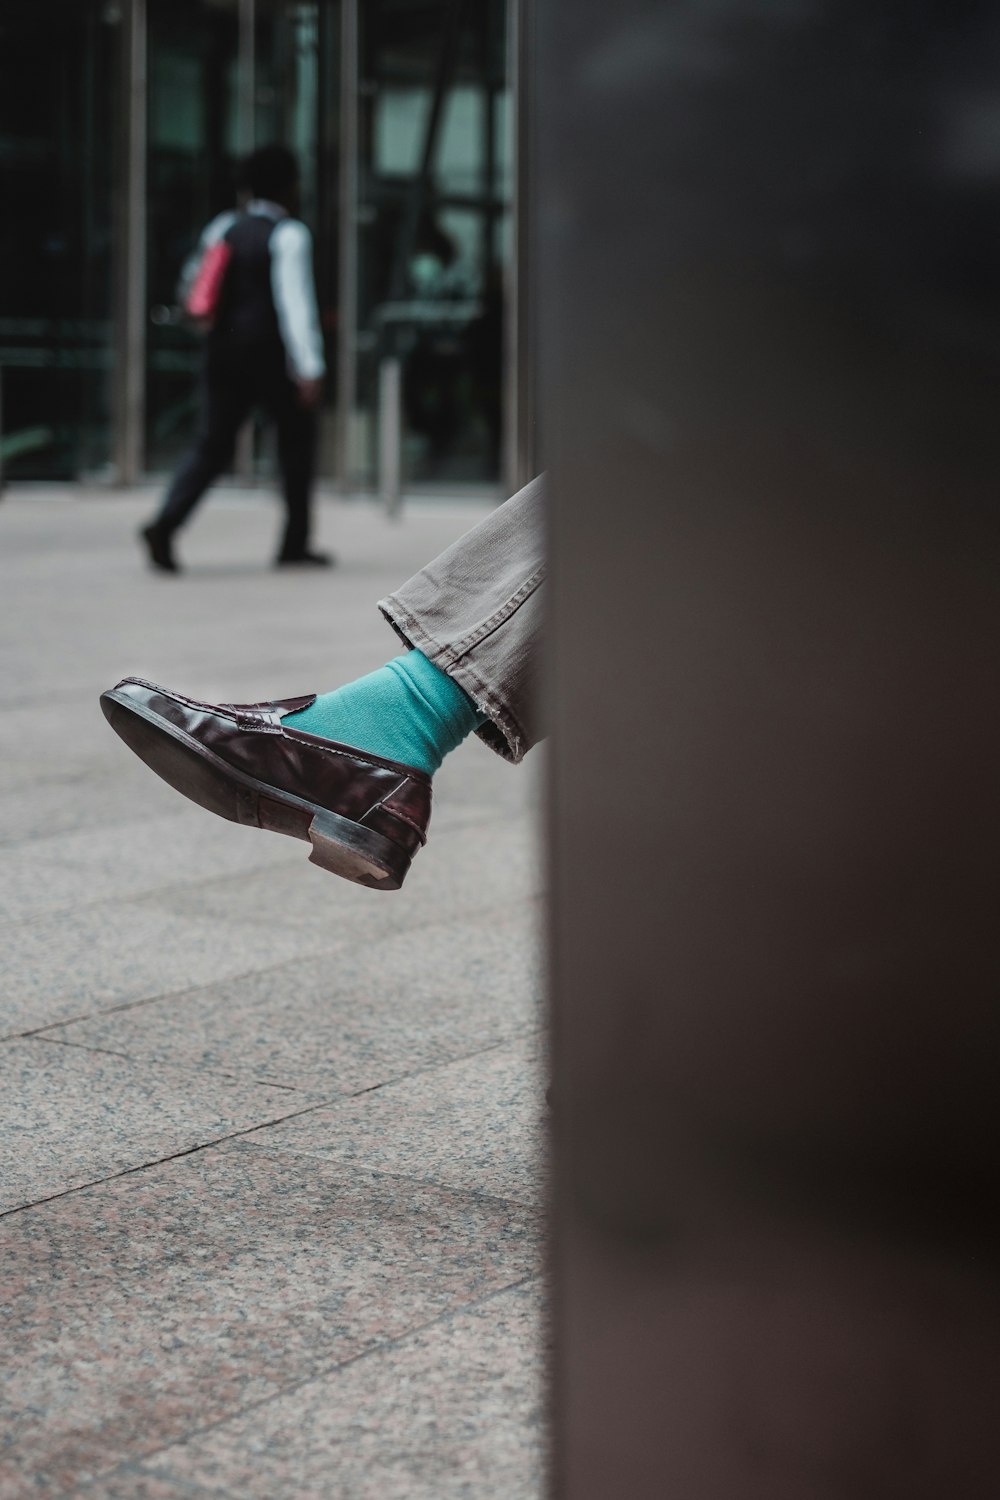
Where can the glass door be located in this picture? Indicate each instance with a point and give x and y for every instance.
(225, 75)
(59, 85)
(192, 171)
(433, 216)
(296, 98)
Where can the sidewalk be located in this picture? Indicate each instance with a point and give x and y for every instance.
(270, 1199)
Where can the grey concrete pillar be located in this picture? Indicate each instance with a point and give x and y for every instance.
(771, 367)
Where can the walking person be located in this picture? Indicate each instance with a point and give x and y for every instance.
(264, 349)
(350, 770)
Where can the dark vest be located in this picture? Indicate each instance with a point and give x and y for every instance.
(246, 319)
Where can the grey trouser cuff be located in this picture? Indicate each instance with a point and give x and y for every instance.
(476, 613)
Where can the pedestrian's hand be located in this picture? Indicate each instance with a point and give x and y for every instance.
(310, 393)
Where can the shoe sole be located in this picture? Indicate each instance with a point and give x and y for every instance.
(344, 848)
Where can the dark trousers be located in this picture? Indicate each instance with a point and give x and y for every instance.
(235, 383)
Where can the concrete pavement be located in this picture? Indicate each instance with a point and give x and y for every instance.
(270, 1153)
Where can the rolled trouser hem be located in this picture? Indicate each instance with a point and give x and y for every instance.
(502, 730)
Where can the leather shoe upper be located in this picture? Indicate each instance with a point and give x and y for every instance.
(384, 795)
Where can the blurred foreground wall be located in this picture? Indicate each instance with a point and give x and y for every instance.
(771, 361)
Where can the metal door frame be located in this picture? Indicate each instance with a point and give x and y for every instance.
(128, 439)
(128, 401)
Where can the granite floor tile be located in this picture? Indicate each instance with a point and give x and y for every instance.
(464, 870)
(146, 1309)
(450, 817)
(74, 964)
(478, 1123)
(351, 1019)
(455, 1411)
(128, 860)
(296, 898)
(54, 736)
(83, 554)
(69, 801)
(71, 1116)
(68, 965)
(476, 787)
(473, 869)
(474, 781)
(142, 1312)
(135, 1482)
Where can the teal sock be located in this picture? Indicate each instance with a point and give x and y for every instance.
(408, 710)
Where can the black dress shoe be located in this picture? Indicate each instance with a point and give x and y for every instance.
(304, 560)
(364, 816)
(158, 546)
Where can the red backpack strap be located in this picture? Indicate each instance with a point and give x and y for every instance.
(206, 290)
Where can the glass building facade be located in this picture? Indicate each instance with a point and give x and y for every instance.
(123, 124)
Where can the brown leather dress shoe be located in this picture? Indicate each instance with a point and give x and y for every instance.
(365, 817)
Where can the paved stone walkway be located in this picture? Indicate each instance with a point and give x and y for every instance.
(270, 1208)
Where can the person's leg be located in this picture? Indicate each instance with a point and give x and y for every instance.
(226, 400)
(296, 433)
(407, 711)
(473, 617)
(340, 780)
(476, 613)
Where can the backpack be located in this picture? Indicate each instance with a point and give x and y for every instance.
(202, 302)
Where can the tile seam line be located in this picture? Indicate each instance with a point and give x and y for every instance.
(134, 1468)
(429, 1182)
(250, 1130)
(59, 1041)
(434, 1067)
(157, 1161)
(20, 842)
(387, 1345)
(334, 1100)
(471, 914)
(459, 826)
(196, 885)
(150, 895)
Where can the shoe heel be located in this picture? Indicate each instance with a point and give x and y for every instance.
(359, 854)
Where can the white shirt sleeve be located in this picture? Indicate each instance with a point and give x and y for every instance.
(294, 293)
(209, 236)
